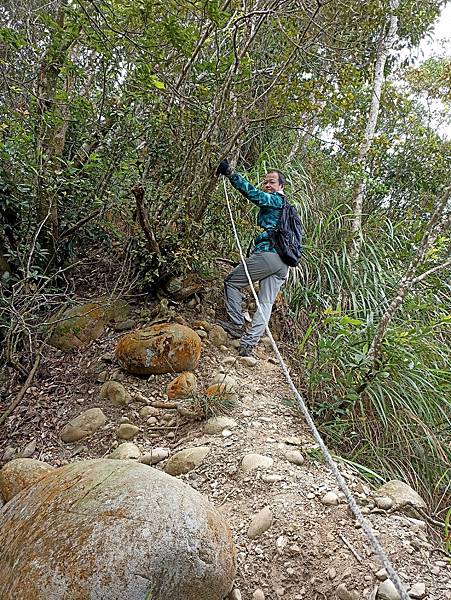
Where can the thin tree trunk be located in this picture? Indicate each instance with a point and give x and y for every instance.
(54, 121)
(383, 51)
(138, 192)
(435, 227)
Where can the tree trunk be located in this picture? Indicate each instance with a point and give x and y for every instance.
(51, 135)
(383, 51)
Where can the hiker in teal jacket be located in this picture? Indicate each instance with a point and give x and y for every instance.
(264, 264)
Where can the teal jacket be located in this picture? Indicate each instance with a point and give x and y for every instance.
(270, 206)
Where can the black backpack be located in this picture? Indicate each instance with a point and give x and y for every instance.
(287, 235)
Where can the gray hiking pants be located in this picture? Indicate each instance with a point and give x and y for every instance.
(267, 268)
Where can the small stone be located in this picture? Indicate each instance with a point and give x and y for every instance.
(201, 333)
(344, 594)
(417, 525)
(83, 425)
(235, 594)
(216, 425)
(384, 502)
(331, 573)
(247, 413)
(258, 595)
(254, 461)
(102, 376)
(294, 457)
(272, 478)
(126, 431)
(401, 494)
(310, 496)
(293, 441)
(217, 336)
(29, 449)
(249, 361)
(387, 591)
(418, 590)
(226, 433)
(260, 523)
(381, 575)
(330, 499)
(227, 382)
(183, 386)
(126, 451)
(125, 325)
(115, 392)
(228, 360)
(155, 456)
(186, 460)
(148, 411)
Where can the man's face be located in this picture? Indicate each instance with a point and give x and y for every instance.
(271, 183)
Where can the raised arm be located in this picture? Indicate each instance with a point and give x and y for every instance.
(253, 194)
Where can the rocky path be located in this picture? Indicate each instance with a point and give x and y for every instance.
(295, 536)
(309, 546)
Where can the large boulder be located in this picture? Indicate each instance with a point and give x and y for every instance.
(163, 348)
(110, 529)
(82, 324)
(19, 474)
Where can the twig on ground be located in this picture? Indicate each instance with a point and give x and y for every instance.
(351, 548)
(23, 389)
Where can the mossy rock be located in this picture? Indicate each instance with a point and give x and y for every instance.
(110, 529)
(82, 324)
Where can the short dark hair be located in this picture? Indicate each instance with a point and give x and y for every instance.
(282, 178)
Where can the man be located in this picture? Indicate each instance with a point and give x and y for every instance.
(264, 264)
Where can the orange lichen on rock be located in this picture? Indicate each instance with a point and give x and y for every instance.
(219, 390)
(19, 474)
(113, 528)
(183, 386)
(160, 348)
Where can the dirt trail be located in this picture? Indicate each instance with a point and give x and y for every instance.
(311, 551)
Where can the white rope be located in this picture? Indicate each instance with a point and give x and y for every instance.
(366, 527)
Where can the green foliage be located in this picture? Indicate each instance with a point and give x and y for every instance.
(97, 98)
(393, 418)
(447, 531)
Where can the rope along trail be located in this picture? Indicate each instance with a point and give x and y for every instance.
(373, 542)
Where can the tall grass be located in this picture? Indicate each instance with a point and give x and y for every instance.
(396, 419)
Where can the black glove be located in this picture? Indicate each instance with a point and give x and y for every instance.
(224, 168)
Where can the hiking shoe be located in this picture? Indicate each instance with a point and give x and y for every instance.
(246, 350)
(234, 330)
